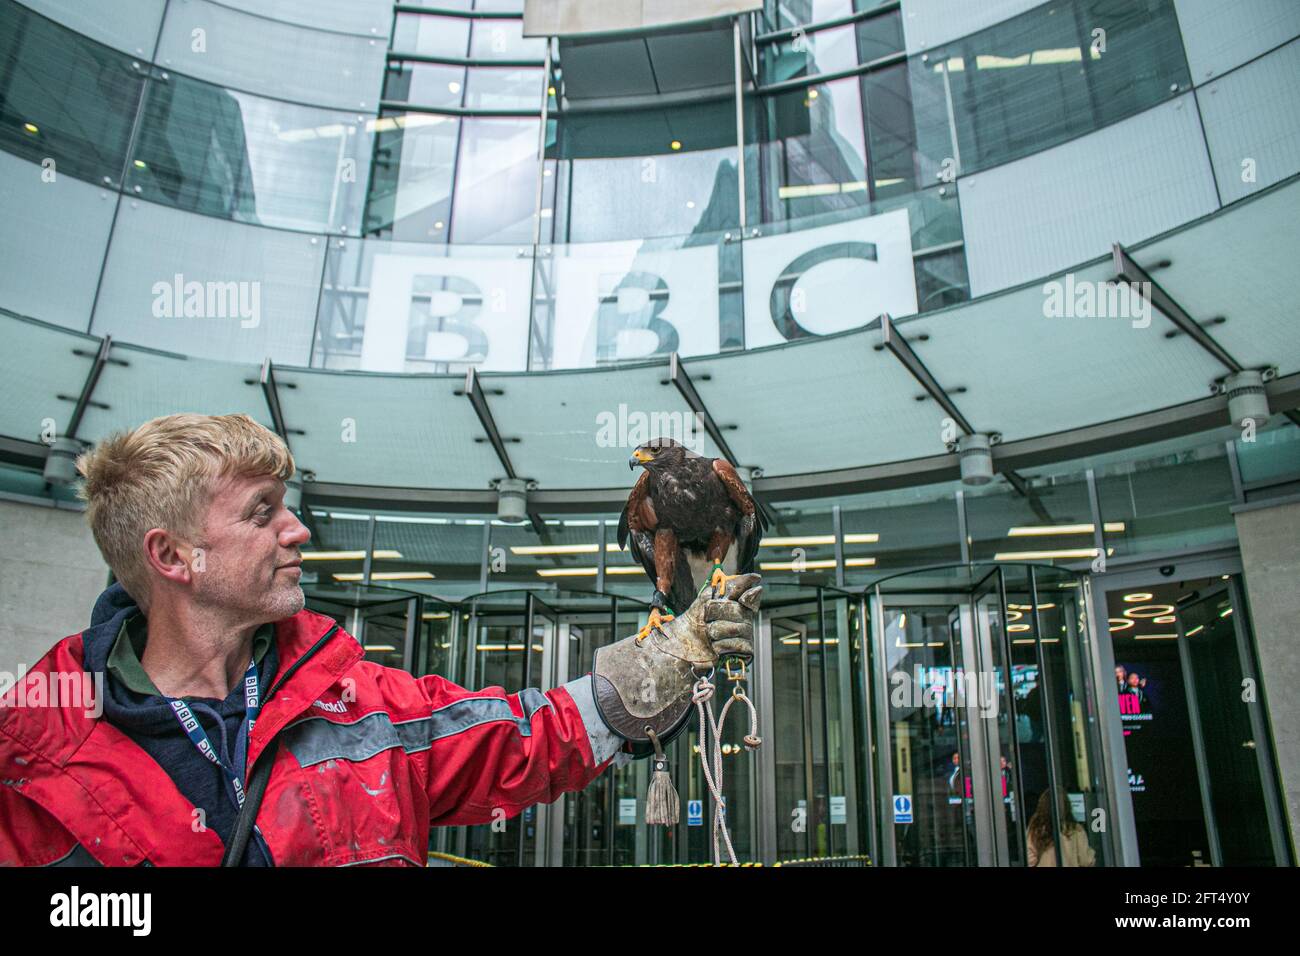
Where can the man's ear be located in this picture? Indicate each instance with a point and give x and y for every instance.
(164, 554)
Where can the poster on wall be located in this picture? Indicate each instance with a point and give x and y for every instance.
(618, 302)
(427, 312)
(828, 279)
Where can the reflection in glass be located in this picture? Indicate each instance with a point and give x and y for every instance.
(233, 155)
(64, 97)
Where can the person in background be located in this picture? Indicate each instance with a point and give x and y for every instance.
(1076, 850)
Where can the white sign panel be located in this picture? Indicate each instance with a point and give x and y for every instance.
(627, 810)
(617, 302)
(472, 311)
(829, 279)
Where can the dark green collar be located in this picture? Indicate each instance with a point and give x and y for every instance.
(128, 649)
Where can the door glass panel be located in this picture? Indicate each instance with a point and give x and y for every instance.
(990, 622)
(1231, 750)
(927, 749)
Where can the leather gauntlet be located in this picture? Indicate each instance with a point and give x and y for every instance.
(644, 685)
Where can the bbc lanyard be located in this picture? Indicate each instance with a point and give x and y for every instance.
(199, 738)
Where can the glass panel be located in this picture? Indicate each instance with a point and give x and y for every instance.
(496, 182)
(505, 40)
(270, 57)
(891, 132)
(447, 550)
(1232, 754)
(506, 88)
(30, 390)
(1066, 698)
(1250, 122)
(802, 551)
(808, 54)
(814, 161)
(425, 84)
(430, 35)
(64, 97)
(646, 172)
(1168, 503)
(132, 28)
(237, 156)
(1005, 755)
(928, 745)
(890, 531)
(1151, 696)
(52, 242)
(220, 289)
(1041, 78)
(410, 189)
(417, 307)
(1272, 458)
(1052, 523)
(365, 17)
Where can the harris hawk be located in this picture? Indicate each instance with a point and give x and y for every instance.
(689, 519)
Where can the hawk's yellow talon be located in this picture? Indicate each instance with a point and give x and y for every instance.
(657, 619)
(719, 580)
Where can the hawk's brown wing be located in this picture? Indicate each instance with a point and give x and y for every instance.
(749, 529)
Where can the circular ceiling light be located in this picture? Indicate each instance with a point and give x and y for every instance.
(1164, 619)
(1120, 623)
(1015, 615)
(1017, 627)
(1149, 610)
(1138, 596)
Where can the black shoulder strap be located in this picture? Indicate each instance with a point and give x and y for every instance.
(243, 829)
(261, 775)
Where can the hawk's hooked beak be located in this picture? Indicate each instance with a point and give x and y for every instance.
(639, 457)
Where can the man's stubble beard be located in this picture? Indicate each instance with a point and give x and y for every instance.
(280, 602)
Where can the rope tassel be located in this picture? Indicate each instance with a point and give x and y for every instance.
(663, 806)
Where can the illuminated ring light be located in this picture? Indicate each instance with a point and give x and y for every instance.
(1121, 623)
(1138, 596)
(1150, 610)
(1018, 616)
(1017, 627)
(1164, 619)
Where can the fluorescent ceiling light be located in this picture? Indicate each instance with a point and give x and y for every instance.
(1048, 555)
(380, 648)
(385, 576)
(1148, 611)
(1025, 531)
(553, 549)
(348, 555)
(1138, 596)
(1155, 637)
(869, 537)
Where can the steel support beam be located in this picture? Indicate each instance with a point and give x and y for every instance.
(478, 399)
(88, 386)
(1128, 270)
(679, 377)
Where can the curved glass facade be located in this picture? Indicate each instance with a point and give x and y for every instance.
(328, 214)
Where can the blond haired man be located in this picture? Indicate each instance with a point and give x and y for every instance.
(239, 728)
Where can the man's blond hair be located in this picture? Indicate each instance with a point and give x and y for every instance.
(163, 475)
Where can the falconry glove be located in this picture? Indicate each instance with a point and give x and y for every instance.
(643, 687)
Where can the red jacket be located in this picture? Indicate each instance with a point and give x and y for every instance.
(370, 758)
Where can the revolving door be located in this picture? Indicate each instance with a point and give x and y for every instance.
(986, 727)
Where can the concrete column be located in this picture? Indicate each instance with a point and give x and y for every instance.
(50, 574)
(1269, 535)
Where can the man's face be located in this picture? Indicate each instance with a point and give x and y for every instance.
(1133, 679)
(251, 560)
(1119, 674)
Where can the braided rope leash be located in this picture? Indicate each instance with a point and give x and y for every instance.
(702, 695)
